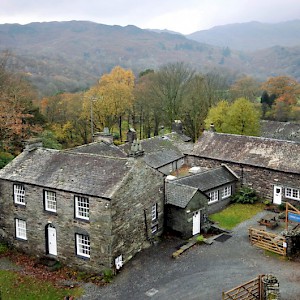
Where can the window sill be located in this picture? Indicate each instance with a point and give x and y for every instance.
(83, 257)
(292, 198)
(20, 239)
(82, 220)
(54, 213)
(20, 205)
(212, 202)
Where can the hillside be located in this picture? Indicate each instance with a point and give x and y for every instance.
(70, 56)
(251, 36)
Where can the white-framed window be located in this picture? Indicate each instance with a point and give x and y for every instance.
(226, 192)
(154, 229)
(292, 193)
(83, 246)
(119, 262)
(213, 196)
(21, 229)
(19, 194)
(154, 212)
(82, 207)
(50, 201)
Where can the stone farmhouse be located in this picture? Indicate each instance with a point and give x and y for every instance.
(87, 210)
(270, 166)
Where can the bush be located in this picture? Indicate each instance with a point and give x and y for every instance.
(200, 239)
(5, 158)
(245, 195)
(3, 248)
(108, 275)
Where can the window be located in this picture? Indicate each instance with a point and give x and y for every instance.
(83, 247)
(19, 194)
(226, 192)
(154, 212)
(154, 229)
(50, 201)
(82, 207)
(292, 193)
(213, 196)
(21, 229)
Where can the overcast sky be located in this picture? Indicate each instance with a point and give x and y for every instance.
(185, 16)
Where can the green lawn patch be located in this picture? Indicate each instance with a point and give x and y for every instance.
(235, 214)
(14, 286)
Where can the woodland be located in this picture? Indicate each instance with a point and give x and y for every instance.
(148, 102)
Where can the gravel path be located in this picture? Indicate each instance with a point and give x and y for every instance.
(202, 272)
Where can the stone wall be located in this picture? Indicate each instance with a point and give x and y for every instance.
(66, 225)
(131, 210)
(260, 179)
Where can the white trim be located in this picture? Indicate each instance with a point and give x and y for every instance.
(292, 193)
(213, 196)
(21, 229)
(50, 201)
(83, 247)
(226, 192)
(154, 212)
(82, 207)
(19, 194)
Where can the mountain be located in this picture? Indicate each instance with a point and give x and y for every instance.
(71, 56)
(251, 36)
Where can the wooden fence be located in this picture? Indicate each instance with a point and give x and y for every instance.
(251, 290)
(268, 241)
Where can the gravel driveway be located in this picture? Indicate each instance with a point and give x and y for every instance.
(202, 272)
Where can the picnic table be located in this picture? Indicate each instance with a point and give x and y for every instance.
(269, 220)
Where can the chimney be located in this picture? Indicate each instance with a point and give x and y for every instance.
(33, 144)
(177, 126)
(104, 136)
(131, 135)
(212, 127)
(136, 149)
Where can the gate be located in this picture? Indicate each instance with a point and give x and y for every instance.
(251, 290)
(268, 241)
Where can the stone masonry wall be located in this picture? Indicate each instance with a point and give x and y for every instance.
(142, 188)
(98, 227)
(260, 179)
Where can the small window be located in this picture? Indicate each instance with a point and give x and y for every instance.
(154, 229)
(213, 196)
(83, 247)
(82, 208)
(292, 193)
(50, 201)
(119, 262)
(226, 192)
(19, 194)
(154, 212)
(21, 229)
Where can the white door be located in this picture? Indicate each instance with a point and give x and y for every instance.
(52, 247)
(277, 194)
(196, 222)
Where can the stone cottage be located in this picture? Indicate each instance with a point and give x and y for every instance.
(190, 199)
(270, 166)
(88, 211)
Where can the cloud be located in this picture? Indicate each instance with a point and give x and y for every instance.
(183, 16)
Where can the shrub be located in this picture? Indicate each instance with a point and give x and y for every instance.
(200, 239)
(108, 275)
(245, 195)
(5, 158)
(3, 248)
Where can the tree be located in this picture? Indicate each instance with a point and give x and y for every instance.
(195, 108)
(245, 87)
(170, 85)
(218, 116)
(113, 96)
(285, 91)
(241, 117)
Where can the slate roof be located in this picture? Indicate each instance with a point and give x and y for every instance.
(161, 158)
(158, 151)
(81, 173)
(208, 179)
(179, 195)
(280, 130)
(100, 148)
(254, 151)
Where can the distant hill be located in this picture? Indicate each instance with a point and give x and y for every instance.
(70, 56)
(251, 36)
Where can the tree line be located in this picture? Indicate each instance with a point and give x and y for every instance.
(149, 103)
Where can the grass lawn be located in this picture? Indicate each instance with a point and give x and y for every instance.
(14, 286)
(235, 214)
